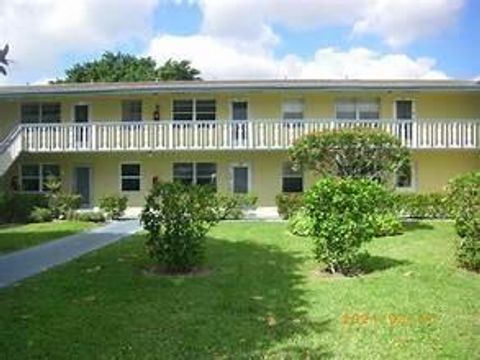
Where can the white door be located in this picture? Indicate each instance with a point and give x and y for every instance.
(241, 179)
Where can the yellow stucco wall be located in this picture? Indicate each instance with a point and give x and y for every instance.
(433, 169)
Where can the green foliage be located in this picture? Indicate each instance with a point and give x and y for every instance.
(464, 195)
(232, 207)
(300, 223)
(288, 204)
(178, 70)
(17, 207)
(388, 224)
(40, 215)
(177, 218)
(120, 67)
(344, 213)
(88, 216)
(355, 153)
(114, 206)
(423, 205)
(61, 203)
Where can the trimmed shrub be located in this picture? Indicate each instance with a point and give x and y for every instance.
(343, 212)
(464, 195)
(288, 204)
(300, 223)
(423, 206)
(177, 218)
(388, 224)
(114, 206)
(17, 207)
(40, 215)
(232, 207)
(88, 216)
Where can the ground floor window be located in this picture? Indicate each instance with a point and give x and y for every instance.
(130, 177)
(195, 173)
(292, 180)
(404, 177)
(35, 177)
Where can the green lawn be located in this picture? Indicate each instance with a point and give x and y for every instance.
(261, 299)
(16, 237)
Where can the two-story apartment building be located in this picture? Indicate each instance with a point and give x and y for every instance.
(123, 137)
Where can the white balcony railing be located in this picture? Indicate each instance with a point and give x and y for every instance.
(219, 135)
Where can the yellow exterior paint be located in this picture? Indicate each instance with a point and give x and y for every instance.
(433, 169)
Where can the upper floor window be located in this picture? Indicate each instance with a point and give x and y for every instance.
(293, 109)
(195, 173)
(34, 113)
(130, 177)
(35, 177)
(357, 110)
(292, 180)
(404, 109)
(132, 110)
(191, 110)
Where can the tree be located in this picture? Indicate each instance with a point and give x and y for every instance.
(3, 59)
(178, 70)
(118, 67)
(355, 153)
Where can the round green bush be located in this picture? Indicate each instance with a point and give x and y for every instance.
(177, 218)
(39, 215)
(344, 216)
(300, 223)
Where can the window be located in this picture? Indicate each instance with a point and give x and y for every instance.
(183, 172)
(404, 109)
(357, 110)
(130, 177)
(195, 173)
(292, 180)
(191, 110)
(35, 176)
(404, 178)
(292, 109)
(34, 113)
(132, 110)
(240, 110)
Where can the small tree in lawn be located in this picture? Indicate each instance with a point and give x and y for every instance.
(355, 153)
(177, 218)
(343, 214)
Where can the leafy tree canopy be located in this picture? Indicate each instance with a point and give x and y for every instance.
(116, 67)
(353, 153)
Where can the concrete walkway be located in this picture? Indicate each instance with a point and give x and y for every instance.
(25, 263)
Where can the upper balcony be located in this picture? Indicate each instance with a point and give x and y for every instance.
(270, 134)
(273, 134)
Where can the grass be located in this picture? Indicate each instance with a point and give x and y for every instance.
(15, 237)
(260, 300)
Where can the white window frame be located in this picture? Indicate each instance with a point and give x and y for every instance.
(248, 165)
(194, 108)
(194, 169)
(290, 176)
(40, 176)
(239, 100)
(141, 108)
(40, 105)
(357, 102)
(139, 177)
(82, 103)
(298, 101)
(414, 107)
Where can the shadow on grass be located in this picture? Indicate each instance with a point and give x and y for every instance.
(250, 305)
(374, 263)
(412, 225)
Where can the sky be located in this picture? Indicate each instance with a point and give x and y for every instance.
(249, 39)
